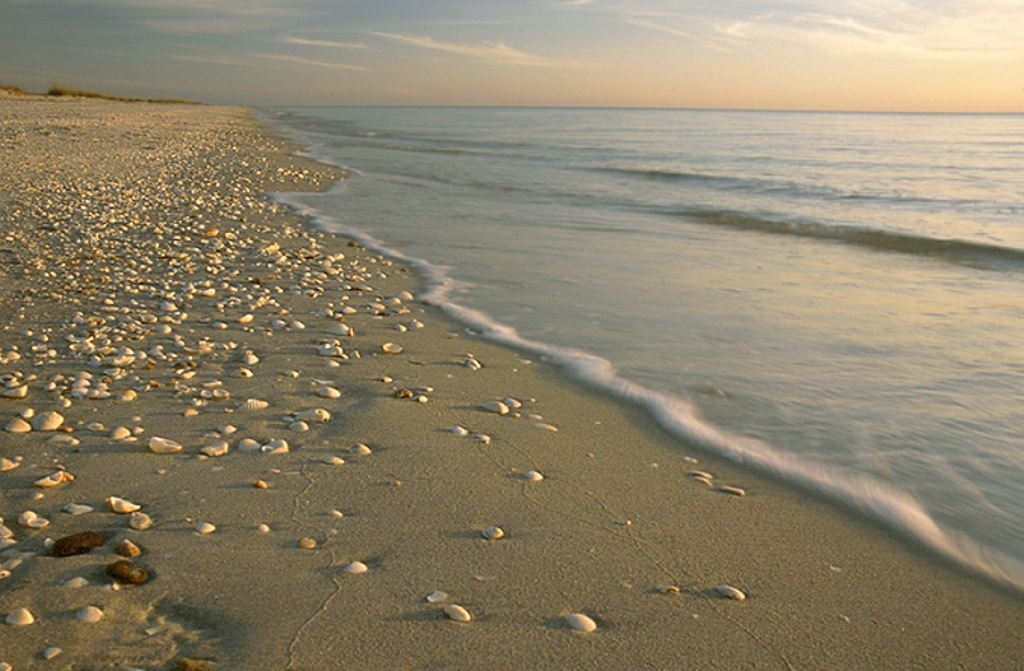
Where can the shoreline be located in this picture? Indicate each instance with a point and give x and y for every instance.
(602, 533)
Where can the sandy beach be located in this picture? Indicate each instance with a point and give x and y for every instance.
(327, 473)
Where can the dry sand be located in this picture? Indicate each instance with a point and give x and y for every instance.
(136, 242)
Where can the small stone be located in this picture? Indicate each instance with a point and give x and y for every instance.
(217, 449)
(77, 544)
(329, 392)
(127, 573)
(126, 548)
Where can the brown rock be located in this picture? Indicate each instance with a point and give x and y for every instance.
(126, 548)
(127, 573)
(77, 544)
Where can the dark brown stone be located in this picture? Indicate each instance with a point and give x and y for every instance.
(77, 544)
(127, 573)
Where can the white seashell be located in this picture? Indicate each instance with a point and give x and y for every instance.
(63, 439)
(581, 622)
(314, 415)
(8, 465)
(20, 618)
(356, 567)
(158, 445)
(341, 329)
(76, 509)
(729, 489)
(298, 426)
(546, 427)
(437, 597)
(334, 461)
(54, 479)
(457, 613)
(122, 506)
(668, 589)
(496, 407)
(205, 528)
(460, 431)
(250, 359)
(76, 583)
(47, 421)
(248, 445)
(90, 614)
(121, 433)
(330, 349)
(5, 532)
(360, 449)
(16, 392)
(329, 392)
(512, 403)
(263, 529)
(278, 446)
(493, 533)
(730, 592)
(473, 364)
(702, 475)
(18, 425)
(245, 372)
(391, 348)
(51, 652)
(227, 430)
(30, 519)
(483, 438)
(129, 395)
(533, 476)
(256, 404)
(218, 449)
(140, 521)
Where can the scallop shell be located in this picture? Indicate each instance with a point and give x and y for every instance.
(122, 506)
(580, 622)
(457, 613)
(730, 592)
(256, 404)
(20, 618)
(90, 614)
(391, 348)
(158, 445)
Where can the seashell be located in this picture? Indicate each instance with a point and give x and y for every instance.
(140, 521)
(730, 592)
(18, 425)
(330, 349)
(546, 427)
(457, 613)
(16, 392)
(205, 528)
(250, 359)
(64, 440)
(334, 460)
(76, 509)
(54, 479)
(307, 543)
(90, 614)
(472, 364)
(580, 622)
(338, 514)
(128, 396)
(314, 415)
(51, 652)
(483, 438)
(496, 407)
(256, 404)
(77, 544)
(122, 506)
(701, 475)
(121, 433)
(246, 319)
(341, 329)
(298, 426)
(437, 597)
(47, 421)
(493, 533)
(278, 446)
(125, 572)
(76, 583)
(533, 476)
(391, 348)
(158, 445)
(735, 491)
(5, 532)
(20, 618)
(460, 431)
(245, 372)
(263, 529)
(356, 567)
(668, 589)
(329, 392)
(360, 449)
(32, 520)
(218, 449)
(8, 465)
(248, 445)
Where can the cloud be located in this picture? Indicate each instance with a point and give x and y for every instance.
(324, 43)
(495, 52)
(306, 61)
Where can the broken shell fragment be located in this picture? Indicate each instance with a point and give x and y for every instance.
(54, 479)
(158, 445)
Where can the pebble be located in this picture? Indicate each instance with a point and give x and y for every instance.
(77, 544)
(581, 622)
(457, 613)
(126, 548)
(18, 425)
(307, 543)
(217, 449)
(329, 392)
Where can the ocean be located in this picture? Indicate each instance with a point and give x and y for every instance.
(837, 299)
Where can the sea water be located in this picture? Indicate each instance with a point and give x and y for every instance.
(835, 298)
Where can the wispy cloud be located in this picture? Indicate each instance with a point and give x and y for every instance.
(495, 52)
(211, 60)
(323, 43)
(284, 58)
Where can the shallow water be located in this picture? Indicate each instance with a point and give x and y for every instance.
(833, 297)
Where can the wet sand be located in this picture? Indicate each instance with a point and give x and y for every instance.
(147, 283)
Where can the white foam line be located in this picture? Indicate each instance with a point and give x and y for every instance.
(881, 501)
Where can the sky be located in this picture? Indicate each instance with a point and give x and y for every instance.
(877, 55)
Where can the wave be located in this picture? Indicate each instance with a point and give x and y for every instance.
(964, 252)
(878, 500)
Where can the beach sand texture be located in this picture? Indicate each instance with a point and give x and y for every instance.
(149, 290)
